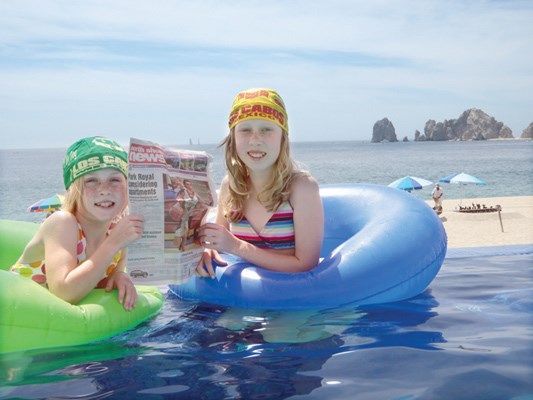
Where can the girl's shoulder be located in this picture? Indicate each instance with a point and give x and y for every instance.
(60, 226)
(62, 221)
(225, 181)
(303, 180)
(303, 185)
(224, 186)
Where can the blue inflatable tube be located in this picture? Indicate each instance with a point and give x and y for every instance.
(380, 245)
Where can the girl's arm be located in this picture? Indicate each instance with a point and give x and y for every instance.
(119, 279)
(309, 231)
(66, 279)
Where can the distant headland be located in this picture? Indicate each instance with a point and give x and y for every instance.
(473, 124)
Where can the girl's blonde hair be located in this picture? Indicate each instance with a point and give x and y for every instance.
(73, 198)
(275, 193)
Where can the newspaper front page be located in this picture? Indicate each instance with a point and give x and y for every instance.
(173, 190)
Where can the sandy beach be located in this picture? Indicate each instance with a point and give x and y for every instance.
(484, 229)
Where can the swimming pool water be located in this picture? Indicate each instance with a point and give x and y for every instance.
(469, 336)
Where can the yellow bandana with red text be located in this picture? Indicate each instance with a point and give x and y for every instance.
(266, 104)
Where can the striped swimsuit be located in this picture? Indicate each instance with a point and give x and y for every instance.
(278, 232)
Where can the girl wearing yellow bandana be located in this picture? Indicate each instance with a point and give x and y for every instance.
(82, 246)
(269, 212)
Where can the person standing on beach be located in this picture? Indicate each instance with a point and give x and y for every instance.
(269, 211)
(83, 245)
(437, 194)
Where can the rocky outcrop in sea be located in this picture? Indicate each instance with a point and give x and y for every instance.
(473, 124)
(384, 131)
(528, 132)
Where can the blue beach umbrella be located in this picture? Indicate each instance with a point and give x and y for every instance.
(462, 178)
(410, 183)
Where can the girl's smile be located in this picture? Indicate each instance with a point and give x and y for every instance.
(256, 155)
(105, 204)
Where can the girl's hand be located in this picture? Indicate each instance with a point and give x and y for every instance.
(205, 266)
(127, 293)
(216, 237)
(128, 229)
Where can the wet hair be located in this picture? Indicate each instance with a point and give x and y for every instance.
(275, 193)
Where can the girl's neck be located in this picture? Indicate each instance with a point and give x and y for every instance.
(259, 180)
(92, 227)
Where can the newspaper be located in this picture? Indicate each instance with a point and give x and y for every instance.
(173, 190)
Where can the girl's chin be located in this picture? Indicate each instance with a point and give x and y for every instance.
(104, 213)
(260, 166)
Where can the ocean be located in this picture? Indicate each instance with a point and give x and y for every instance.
(505, 165)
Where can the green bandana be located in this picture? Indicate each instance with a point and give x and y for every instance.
(91, 154)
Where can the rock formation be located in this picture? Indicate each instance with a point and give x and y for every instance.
(473, 124)
(383, 132)
(528, 132)
(419, 137)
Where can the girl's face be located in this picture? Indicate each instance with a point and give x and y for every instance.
(104, 193)
(258, 143)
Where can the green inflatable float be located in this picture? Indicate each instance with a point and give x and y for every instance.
(31, 317)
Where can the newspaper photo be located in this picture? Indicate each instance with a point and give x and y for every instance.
(173, 190)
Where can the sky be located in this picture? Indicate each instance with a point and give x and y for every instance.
(167, 71)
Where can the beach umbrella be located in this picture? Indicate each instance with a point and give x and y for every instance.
(48, 204)
(410, 183)
(462, 178)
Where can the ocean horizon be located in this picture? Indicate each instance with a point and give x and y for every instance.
(27, 175)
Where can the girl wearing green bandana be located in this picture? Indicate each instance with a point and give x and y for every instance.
(83, 245)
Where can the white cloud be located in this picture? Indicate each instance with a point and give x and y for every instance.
(152, 69)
